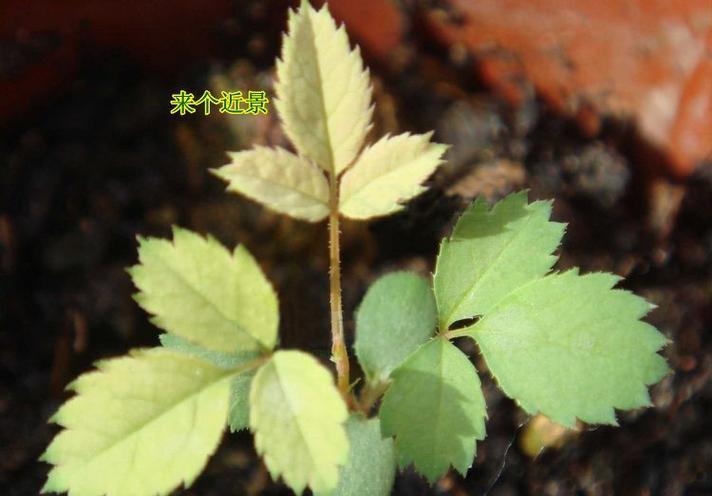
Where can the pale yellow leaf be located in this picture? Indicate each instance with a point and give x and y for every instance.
(198, 290)
(280, 180)
(140, 425)
(323, 92)
(297, 416)
(387, 174)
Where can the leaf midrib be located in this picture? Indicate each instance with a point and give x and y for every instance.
(143, 425)
(296, 418)
(186, 283)
(320, 86)
(395, 170)
(284, 186)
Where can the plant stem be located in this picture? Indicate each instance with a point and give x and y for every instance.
(339, 353)
(370, 394)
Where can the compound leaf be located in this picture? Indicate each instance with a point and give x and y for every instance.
(297, 416)
(570, 346)
(199, 291)
(396, 316)
(323, 92)
(492, 252)
(280, 180)
(387, 174)
(139, 425)
(371, 466)
(435, 409)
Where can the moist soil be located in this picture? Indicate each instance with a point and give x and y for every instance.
(104, 161)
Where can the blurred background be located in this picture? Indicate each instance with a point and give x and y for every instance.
(604, 106)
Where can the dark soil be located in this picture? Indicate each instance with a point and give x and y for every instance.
(104, 161)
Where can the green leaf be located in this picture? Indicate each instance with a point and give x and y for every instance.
(323, 92)
(140, 425)
(395, 317)
(279, 180)
(492, 252)
(199, 291)
(239, 416)
(239, 407)
(371, 466)
(570, 346)
(297, 416)
(222, 360)
(436, 410)
(387, 174)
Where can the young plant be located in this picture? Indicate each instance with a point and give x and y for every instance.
(566, 345)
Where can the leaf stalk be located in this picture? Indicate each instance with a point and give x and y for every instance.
(339, 352)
